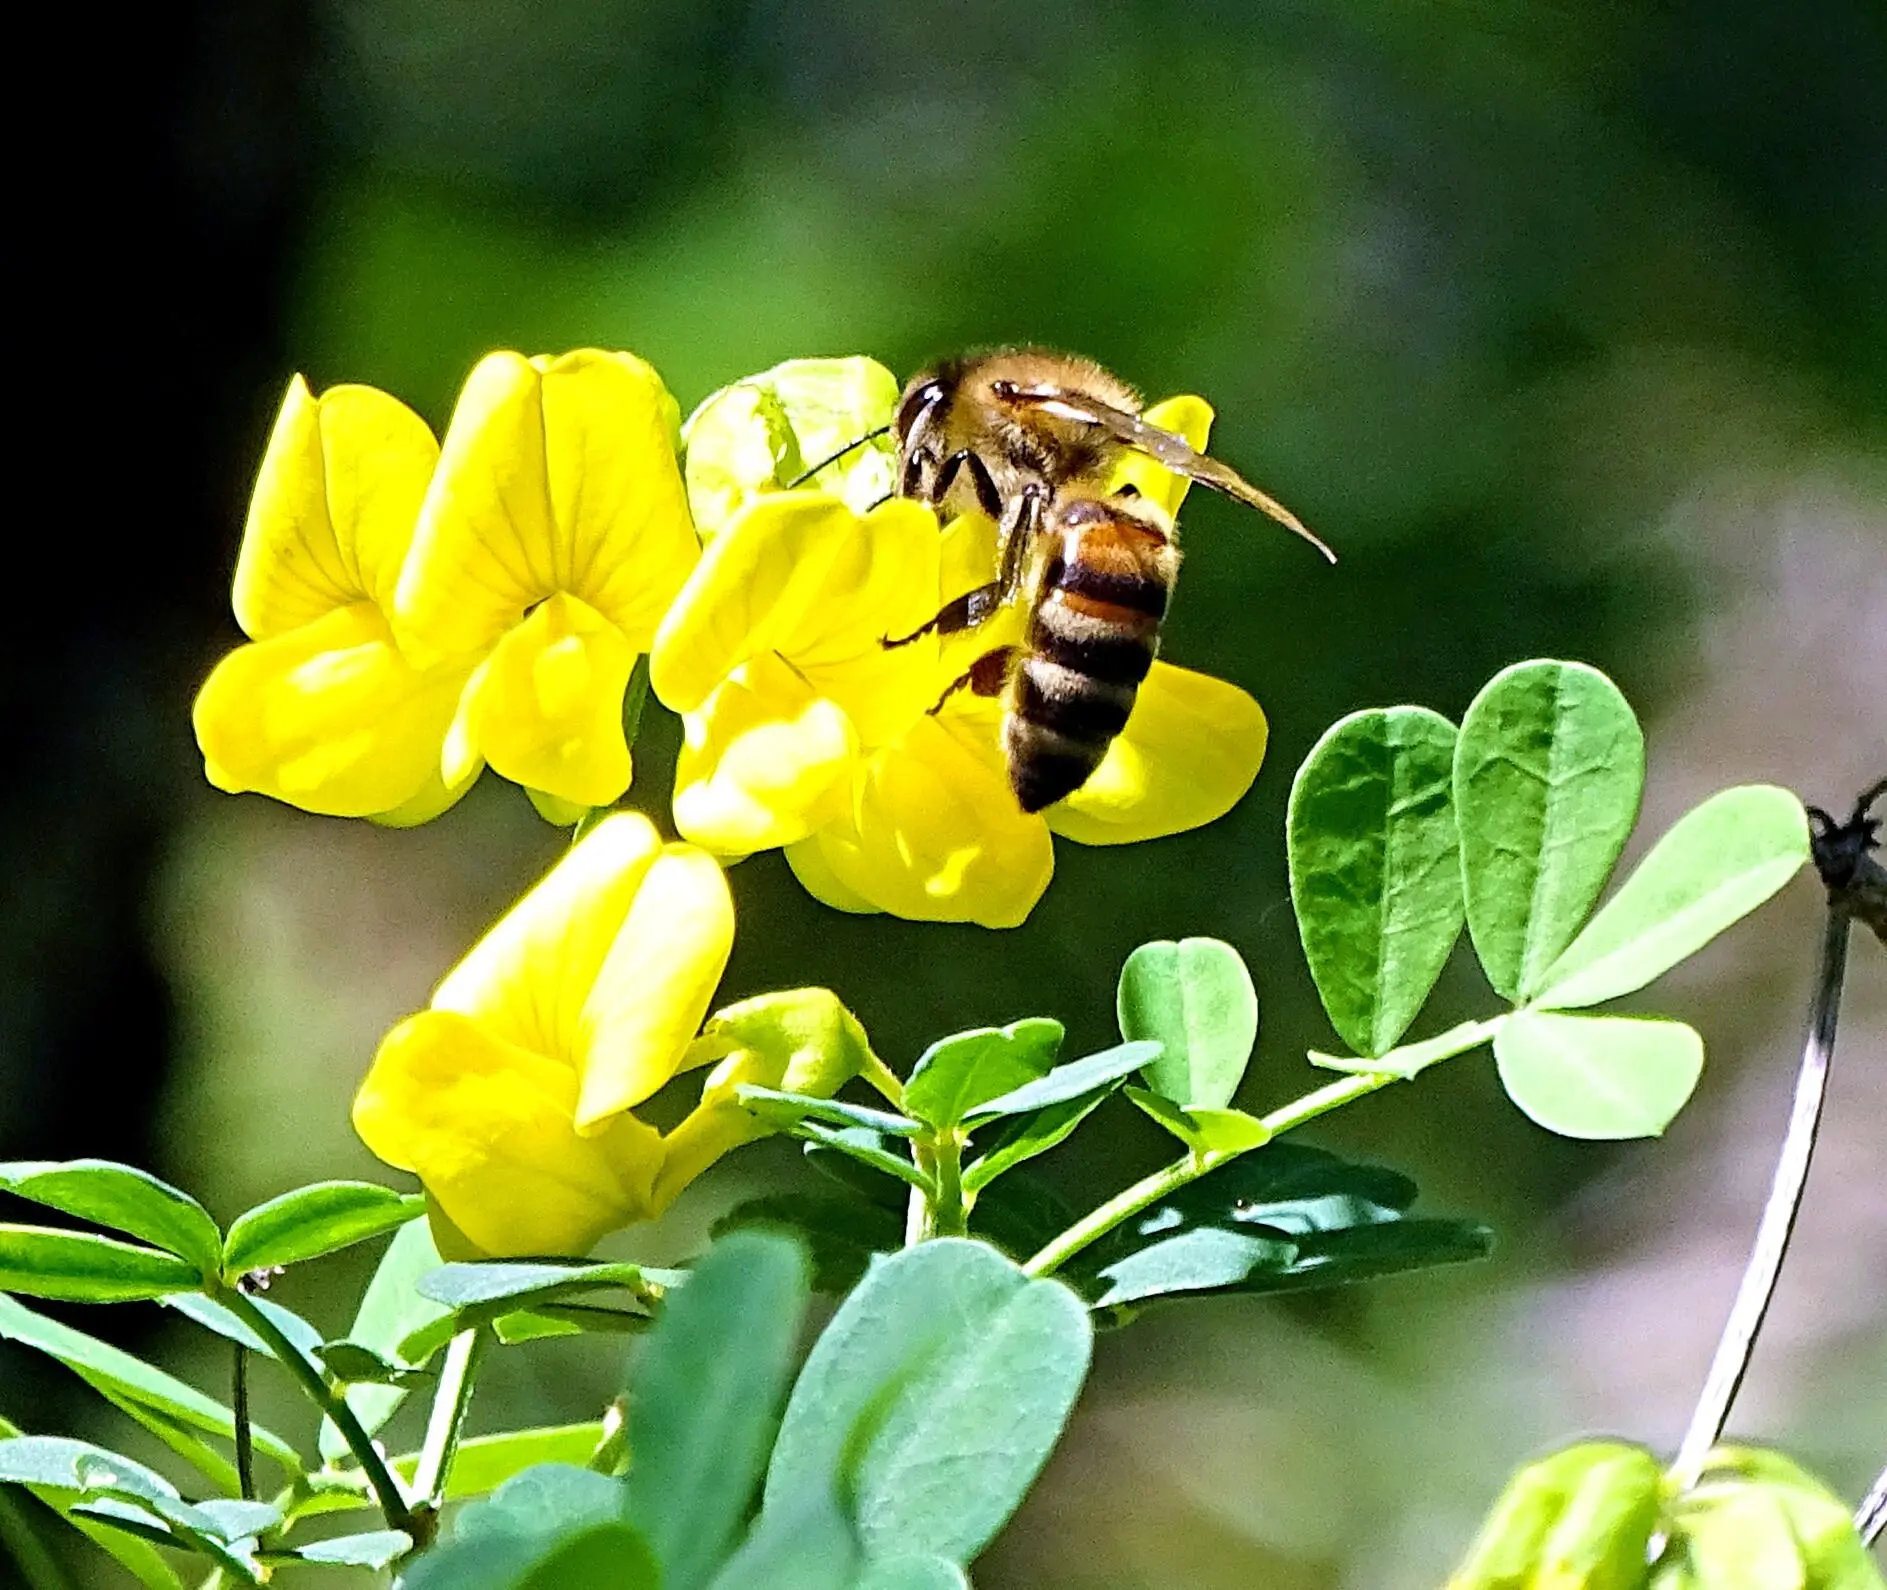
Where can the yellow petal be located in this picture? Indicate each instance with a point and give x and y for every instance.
(545, 708)
(331, 718)
(816, 877)
(655, 984)
(799, 574)
(486, 1126)
(528, 978)
(763, 763)
(333, 509)
(1187, 756)
(935, 834)
(556, 475)
(1190, 417)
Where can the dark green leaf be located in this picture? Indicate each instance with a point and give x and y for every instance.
(540, 1502)
(130, 1381)
(933, 1398)
(549, 1528)
(310, 1221)
(1598, 1076)
(79, 1466)
(1375, 869)
(1028, 1136)
(1718, 862)
(706, 1392)
(1547, 780)
(803, 1544)
(481, 1292)
(482, 1463)
(212, 1316)
(957, 1074)
(1076, 1080)
(1195, 999)
(786, 1109)
(133, 1518)
(392, 1309)
(135, 1556)
(354, 1365)
(378, 1548)
(1020, 1214)
(866, 1147)
(1344, 1222)
(840, 1234)
(125, 1199)
(566, 1319)
(240, 1520)
(869, 1180)
(912, 1573)
(77, 1267)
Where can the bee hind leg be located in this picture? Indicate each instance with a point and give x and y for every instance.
(966, 612)
(984, 677)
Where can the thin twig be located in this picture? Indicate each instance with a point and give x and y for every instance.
(451, 1398)
(1872, 1513)
(1758, 1285)
(245, 1437)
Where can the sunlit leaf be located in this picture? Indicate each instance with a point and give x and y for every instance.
(1195, 999)
(1547, 779)
(125, 1199)
(933, 1398)
(1598, 1076)
(1077, 1079)
(77, 1267)
(1718, 863)
(378, 1548)
(311, 1221)
(957, 1074)
(1375, 868)
(787, 1109)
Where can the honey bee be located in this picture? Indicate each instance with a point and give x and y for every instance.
(1031, 438)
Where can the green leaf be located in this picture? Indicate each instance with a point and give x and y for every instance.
(787, 1109)
(80, 1466)
(704, 1398)
(354, 1365)
(135, 1556)
(841, 1234)
(1375, 869)
(130, 1381)
(805, 1544)
(1020, 1214)
(377, 1548)
(391, 1309)
(912, 1573)
(1030, 1135)
(1547, 779)
(311, 1221)
(1079, 1079)
(77, 1267)
(1204, 1131)
(933, 1398)
(1718, 863)
(566, 1319)
(1598, 1076)
(1343, 1222)
(125, 1199)
(481, 1292)
(1194, 998)
(482, 1464)
(957, 1074)
(549, 1528)
(864, 1146)
(237, 1519)
(212, 1316)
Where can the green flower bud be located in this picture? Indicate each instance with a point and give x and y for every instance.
(1581, 1519)
(1756, 1521)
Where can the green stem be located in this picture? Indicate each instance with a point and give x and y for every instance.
(634, 699)
(239, 1410)
(949, 1214)
(1319, 1101)
(614, 1447)
(1753, 1293)
(393, 1503)
(1871, 1515)
(450, 1399)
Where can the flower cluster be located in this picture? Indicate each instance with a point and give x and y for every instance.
(419, 611)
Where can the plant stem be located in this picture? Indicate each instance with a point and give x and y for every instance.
(245, 1437)
(949, 1215)
(450, 1399)
(1151, 1189)
(1758, 1285)
(393, 1503)
(1872, 1513)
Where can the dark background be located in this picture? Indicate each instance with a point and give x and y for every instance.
(1566, 324)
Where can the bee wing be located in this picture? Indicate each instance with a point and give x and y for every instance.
(1163, 446)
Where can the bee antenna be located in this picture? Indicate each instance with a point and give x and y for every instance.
(849, 447)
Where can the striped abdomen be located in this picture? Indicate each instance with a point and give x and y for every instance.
(1092, 634)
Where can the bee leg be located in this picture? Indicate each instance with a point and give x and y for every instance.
(988, 498)
(911, 479)
(1017, 536)
(966, 612)
(984, 677)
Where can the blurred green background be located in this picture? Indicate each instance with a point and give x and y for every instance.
(1566, 324)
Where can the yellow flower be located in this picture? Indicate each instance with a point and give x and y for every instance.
(802, 731)
(322, 710)
(553, 536)
(511, 1096)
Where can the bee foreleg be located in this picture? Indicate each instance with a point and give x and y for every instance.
(966, 612)
(988, 498)
(984, 677)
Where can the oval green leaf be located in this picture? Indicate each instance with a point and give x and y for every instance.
(704, 1397)
(1076, 1080)
(1600, 1077)
(1547, 778)
(1196, 999)
(933, 1398)
(391, 1309)
(1375, 868)
(1718, 863)
(957, 1074)
(77, 1267)
(125, 1199)
(310, 1221)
